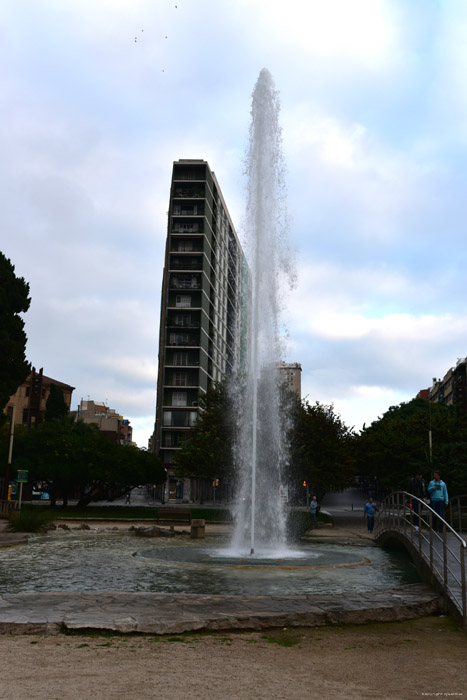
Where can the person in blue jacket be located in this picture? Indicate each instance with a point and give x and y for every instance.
(438, 499)
(369, 510)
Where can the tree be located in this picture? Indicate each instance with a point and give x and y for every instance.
(55, 407)
(74, 457)
(321, 447)
(395, 446)
(14, 299)
(206, 452)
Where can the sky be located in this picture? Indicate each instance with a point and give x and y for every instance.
(99, 97)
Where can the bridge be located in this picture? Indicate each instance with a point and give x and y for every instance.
(440, 557)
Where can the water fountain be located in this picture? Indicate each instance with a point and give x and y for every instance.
(261, 452)
(258, 560)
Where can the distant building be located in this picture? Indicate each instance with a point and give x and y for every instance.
(451, 389)
(291, 375)
(31, 397)
(423, 394)
(202, 323)
(114, 426)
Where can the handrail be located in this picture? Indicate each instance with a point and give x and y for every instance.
(455, 507)
(433, 547)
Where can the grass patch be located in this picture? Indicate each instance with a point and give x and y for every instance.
(90, 632)
(283, 638)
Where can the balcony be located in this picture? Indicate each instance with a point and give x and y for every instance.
(188, 192)
(185, 282)
(188, 210)
(192, 227)
(186, 263)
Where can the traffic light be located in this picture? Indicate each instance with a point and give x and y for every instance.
(304, 483)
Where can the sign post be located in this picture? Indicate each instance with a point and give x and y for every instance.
(22, 478)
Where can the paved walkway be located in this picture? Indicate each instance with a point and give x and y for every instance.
(164, 613)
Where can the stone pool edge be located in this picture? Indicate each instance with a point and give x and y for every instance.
(162, 613)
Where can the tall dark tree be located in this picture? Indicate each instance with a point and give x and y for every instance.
(74, 457)
(396, 446)
(322, 447)
(14, 299)
(207, 450)
(55, 407)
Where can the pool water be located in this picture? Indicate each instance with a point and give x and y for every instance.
(103, 561)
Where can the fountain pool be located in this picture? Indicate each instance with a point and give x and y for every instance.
(107, 561)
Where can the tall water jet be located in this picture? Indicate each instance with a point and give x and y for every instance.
(261, 452)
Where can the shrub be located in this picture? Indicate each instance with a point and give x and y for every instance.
(31, 520)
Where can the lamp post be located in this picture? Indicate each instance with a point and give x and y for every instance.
(6, 493)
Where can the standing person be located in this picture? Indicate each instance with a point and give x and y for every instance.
(369, 510)
(128, 498)
(417, 487)
(438, 499)
(314, 508)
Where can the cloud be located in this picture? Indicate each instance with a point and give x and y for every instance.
(373, 115)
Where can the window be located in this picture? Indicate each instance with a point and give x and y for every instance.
(170, 439)
(183, 320)
(186, 282)
(179, 398)
(179, 339)
(185, 246)
(180, 359)
(180, 378)
(183, 301)
(180, 419)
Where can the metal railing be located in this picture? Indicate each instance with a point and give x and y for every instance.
(443, 552)
(458, 513)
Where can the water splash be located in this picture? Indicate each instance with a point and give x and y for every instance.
(261, 451)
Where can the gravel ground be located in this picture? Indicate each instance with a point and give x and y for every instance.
(391, 661)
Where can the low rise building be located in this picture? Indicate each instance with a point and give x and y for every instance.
(113, 425)
(30, 398)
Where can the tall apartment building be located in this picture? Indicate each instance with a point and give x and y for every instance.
(291, 375)
(201, 322)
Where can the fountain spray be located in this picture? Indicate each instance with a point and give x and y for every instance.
(262, 451)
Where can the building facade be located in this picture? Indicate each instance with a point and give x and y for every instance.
(451, 389)
(30, 398)
(291, 375)
(113, 425)
(201, 322)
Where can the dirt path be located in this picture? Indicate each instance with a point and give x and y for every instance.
(392, 661)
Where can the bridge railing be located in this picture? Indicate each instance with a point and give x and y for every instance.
(444, 552)
(457, 513)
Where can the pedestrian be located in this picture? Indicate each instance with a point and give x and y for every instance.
(314, 509)
(438, 499)
(128, 498)
(369, 511)
(417, 487)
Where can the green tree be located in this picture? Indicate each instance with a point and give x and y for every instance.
(395, 446)
(55, 407)
(14, 299)
(322, 447)
(75, 458)
(207, 450)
